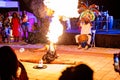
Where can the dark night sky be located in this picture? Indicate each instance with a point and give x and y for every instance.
(111, 5)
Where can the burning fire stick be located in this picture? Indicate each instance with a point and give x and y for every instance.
(56, 28)
(60, 9)
(51, 54)
(55, 31)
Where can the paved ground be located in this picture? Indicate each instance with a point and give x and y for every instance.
(99, 59)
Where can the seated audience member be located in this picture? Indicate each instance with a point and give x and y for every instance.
(79, 72)
(84, 38)
(10, 66)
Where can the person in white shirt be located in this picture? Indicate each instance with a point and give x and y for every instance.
(85, 34)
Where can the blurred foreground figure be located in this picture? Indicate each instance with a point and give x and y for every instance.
(79, 72)
(10, 67)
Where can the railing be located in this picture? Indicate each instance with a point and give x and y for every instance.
(103, 24)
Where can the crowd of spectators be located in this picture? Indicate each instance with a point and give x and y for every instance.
(10, 67)
(14, 25)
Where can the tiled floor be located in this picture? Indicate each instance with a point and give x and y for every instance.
(99, 59)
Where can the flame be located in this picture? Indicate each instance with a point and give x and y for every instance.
(55, 29)
(64, 8)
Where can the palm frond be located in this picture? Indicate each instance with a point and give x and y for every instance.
(80, 10)
(94, 6)
(84, 5)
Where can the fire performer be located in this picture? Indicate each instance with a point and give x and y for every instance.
(50, 55)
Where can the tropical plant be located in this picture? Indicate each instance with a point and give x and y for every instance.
(88, 11)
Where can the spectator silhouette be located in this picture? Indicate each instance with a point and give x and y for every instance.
(79, 72)
(24, 25)
(15, 24)
(9, 65)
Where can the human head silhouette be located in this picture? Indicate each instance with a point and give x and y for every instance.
(83, 72)
(79, 72)
(8, 63)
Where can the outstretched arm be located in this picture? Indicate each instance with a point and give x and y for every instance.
(42, 49)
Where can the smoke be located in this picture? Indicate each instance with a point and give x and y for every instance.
(67, 8)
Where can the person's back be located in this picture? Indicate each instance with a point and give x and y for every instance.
(83, 72)
(9, 64)
(79, 72)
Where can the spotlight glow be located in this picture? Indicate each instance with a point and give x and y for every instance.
(21, 50)
(66, 8)
(61, 8)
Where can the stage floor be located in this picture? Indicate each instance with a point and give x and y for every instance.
(98, 58)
